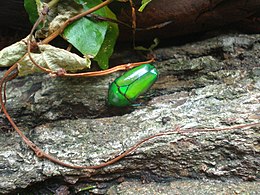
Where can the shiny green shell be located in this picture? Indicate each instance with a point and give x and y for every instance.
(128, 87)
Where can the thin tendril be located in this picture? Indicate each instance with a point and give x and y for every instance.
(29, 41)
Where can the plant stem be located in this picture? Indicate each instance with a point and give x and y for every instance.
(107, 71)
(70, 20)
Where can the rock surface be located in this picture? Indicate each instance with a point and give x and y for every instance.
(185, 187)
(213, 83)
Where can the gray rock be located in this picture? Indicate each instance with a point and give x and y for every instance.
(209, 84)
(185, 187)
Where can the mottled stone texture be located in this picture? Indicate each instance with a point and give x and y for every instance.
(185, 187)
(214, 83)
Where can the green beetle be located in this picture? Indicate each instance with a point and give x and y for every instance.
(128, 87)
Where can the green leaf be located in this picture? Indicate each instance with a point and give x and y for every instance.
(31, 7)
(107, 48)
(85, 35)
(92, 38)
(144, 4)
(95, 39)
